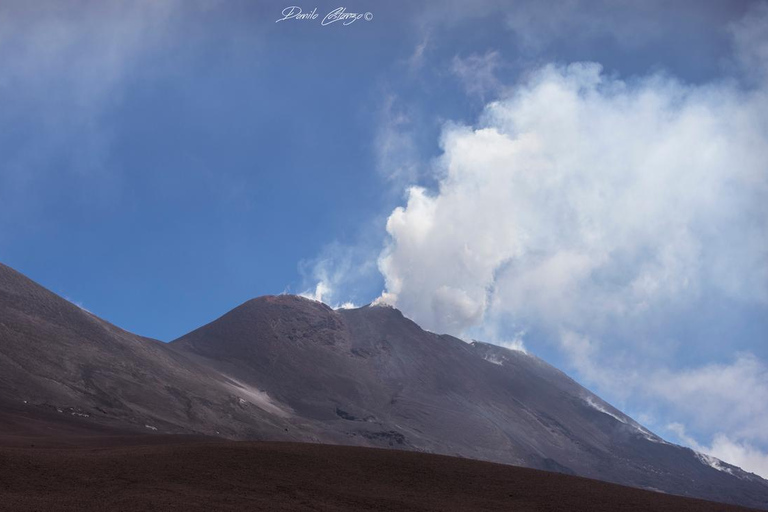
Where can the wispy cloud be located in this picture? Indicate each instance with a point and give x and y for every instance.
(341, 275)
(733, 396)
(396, 152)
(751, 40)
(477, 73)
(63, 69)
(418, 57)
(741, 454)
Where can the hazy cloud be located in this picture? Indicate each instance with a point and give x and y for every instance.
(732, 396)
(741, 454)
(416, 60)
(751, 41)
(337, 271)
(64, 67)
(396, 151)
(477, 73)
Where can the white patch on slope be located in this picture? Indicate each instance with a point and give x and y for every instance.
(591, 402)
(260, 399)
(647, 434)
(713, 462)
(493, 359)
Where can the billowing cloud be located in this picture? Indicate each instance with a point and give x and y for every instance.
(582, 200)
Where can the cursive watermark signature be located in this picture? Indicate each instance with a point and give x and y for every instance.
(338, 15)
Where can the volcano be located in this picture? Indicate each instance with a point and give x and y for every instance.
(289, 369)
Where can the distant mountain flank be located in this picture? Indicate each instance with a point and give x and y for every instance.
(285, 368)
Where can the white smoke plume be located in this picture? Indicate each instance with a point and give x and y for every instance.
(583, 199)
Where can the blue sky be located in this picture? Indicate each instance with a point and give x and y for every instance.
(584, 179)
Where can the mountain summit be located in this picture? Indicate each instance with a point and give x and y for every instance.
(289, 368)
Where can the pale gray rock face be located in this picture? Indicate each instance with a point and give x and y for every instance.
(288, 368)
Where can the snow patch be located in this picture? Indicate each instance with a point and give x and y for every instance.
(150, 427)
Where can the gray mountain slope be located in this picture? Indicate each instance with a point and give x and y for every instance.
(371, 376)
(287, 368)
(55, 356)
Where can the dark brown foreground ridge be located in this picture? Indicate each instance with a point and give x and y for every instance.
(298, 476)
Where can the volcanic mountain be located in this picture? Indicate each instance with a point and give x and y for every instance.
(285, 368)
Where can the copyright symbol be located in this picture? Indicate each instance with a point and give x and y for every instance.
(368, 16)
